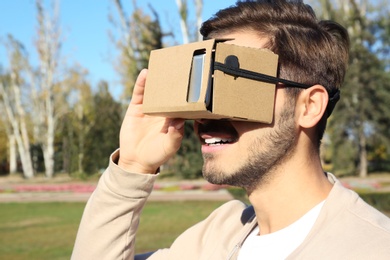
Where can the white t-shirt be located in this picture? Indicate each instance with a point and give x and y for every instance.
(280, 244)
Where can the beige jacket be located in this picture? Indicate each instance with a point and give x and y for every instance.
(347, 227)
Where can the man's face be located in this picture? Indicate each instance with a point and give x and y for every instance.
(244, 153)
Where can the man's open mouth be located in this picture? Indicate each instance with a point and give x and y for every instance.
(217, 141)
(216, 132)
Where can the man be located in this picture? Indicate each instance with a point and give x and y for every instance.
(298, 211)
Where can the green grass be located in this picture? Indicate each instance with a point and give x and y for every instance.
(38, 230)
(48, 230)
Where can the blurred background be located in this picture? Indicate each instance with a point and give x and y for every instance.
(67, 69)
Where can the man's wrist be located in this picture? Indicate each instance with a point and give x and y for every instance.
(132, 167)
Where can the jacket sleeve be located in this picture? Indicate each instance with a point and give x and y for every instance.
(111, 216)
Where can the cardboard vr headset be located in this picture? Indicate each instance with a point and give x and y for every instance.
(211, 80)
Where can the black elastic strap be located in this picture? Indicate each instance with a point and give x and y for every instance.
(232, 67)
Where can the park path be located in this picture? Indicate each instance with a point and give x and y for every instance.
(65, 190)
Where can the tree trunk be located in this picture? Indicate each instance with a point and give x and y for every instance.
(18, 127)
(48, 155)
(183, 12)
(48, 141)
(48, 47)
(363, 162)
(12, 155)
(25, 157)
(199, 20)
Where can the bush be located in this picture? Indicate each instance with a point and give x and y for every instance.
(379, 200)
(238, 194)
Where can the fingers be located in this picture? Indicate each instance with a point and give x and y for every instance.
(175, 135)
(146, 142)
(139, 88)
(177, 124)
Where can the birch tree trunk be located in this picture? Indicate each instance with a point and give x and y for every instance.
(125, 28)
(15, 115)
(363, 162)
(18, 127)
(12, 154)
(183, 12)
(182, 6)
(81, 137)
(199, 20)
(48, 46)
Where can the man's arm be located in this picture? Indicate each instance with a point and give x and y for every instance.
(110, 220)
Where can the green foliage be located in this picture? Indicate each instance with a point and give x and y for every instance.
(379, 200)
(88, 134)
(239, 194)
(361, 116)
(103, 138)
(142, 35)
(343, 160)
(378, 156)
(187, 163)
(3, 149)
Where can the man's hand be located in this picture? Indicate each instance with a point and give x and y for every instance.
(146, 142)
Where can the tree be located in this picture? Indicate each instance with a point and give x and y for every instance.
(139, 34)
(102, 138)
(48, 107)
(11, 88)
(362, 110)
(76, 124)
(40, 89)
(186, 30)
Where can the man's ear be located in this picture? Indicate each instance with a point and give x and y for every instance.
(311, 106)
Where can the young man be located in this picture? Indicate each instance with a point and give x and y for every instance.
(298, 211)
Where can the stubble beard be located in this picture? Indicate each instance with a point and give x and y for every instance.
(266, 154)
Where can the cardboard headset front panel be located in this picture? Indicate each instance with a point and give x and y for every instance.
(182, 83)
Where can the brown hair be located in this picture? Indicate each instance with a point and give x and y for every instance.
(310, 51)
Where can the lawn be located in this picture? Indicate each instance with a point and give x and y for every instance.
(47, 230)
(38, 230)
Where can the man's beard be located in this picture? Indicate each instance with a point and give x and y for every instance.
(265, 154)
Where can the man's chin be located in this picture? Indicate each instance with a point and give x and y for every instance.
(213, 180)
(212, 176)
(217, 177)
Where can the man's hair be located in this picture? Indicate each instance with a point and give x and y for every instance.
(310, 51)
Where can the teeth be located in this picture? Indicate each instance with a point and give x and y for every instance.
(217, 141)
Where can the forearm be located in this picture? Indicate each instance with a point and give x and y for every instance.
(110, 220)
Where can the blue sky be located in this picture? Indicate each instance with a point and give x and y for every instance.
(85, 28)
